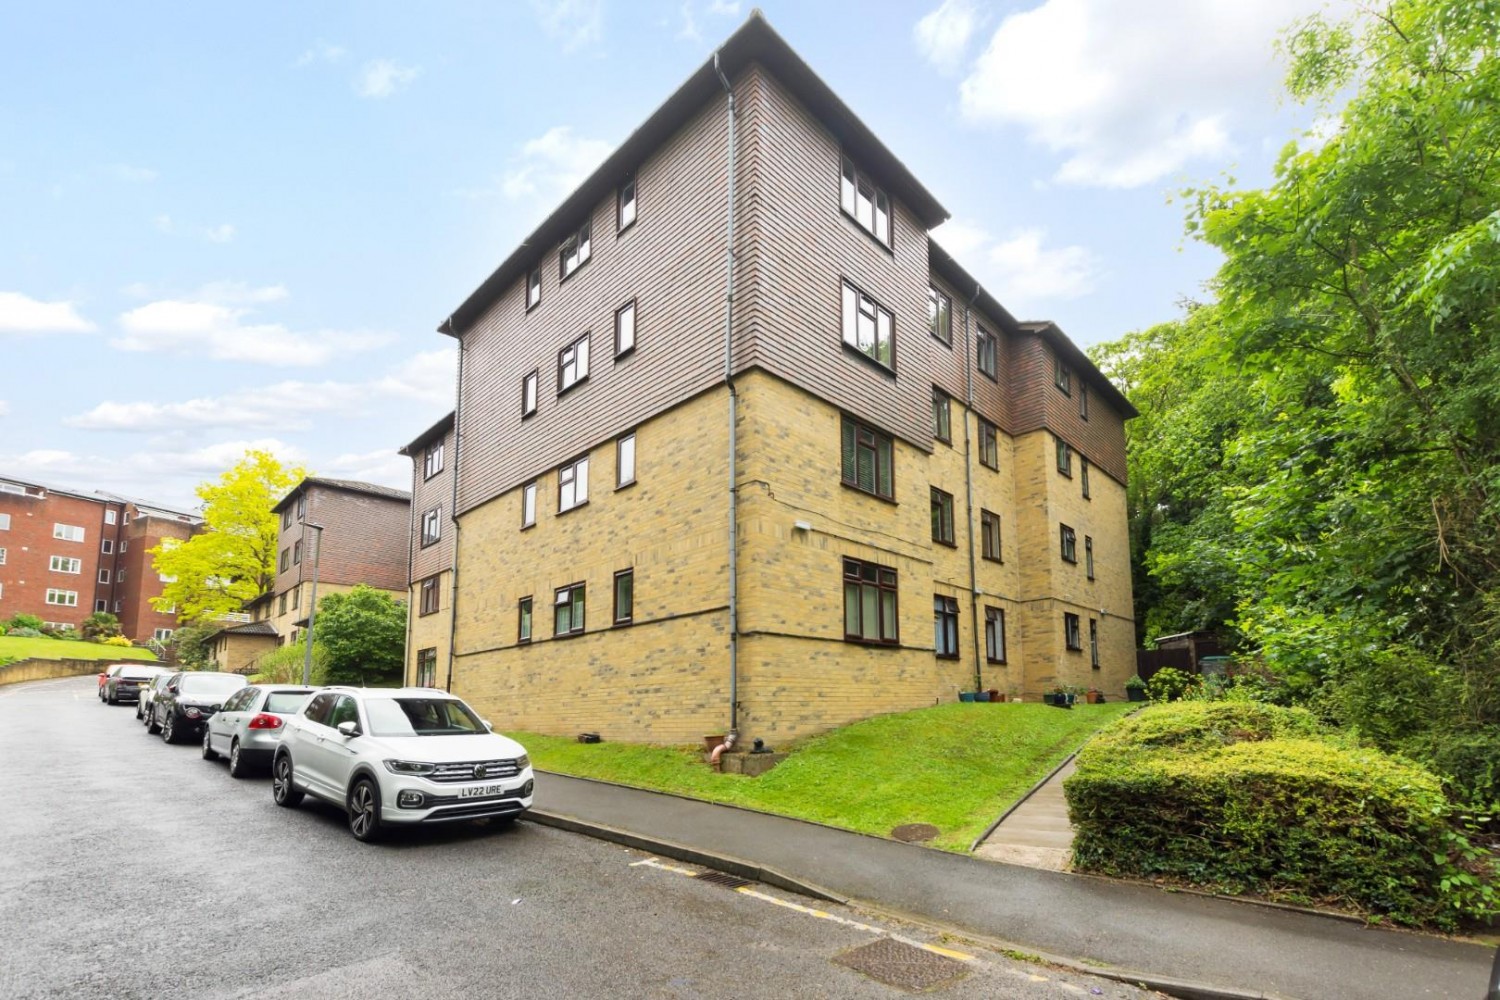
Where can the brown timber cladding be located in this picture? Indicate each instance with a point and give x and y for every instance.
(1040, 403)
(425, 495)
(365, 539)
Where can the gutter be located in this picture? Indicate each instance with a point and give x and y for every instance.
(734, 583)
(458, 402)
(969, 489)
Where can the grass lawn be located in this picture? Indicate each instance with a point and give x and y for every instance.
(14, 648)
(956, 766)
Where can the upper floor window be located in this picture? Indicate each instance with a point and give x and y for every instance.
(940, 315)
(432, 460)
(528, 505)
(1083, 468)
(573, 364)
(1094, 643)
(985, 353)
(107, 546)
(430, 596)
(942, 516)
(1083, 401)
(285, 562)
(302, 506)
(2, 557)
(533, 288)
(65, 564)
(528, 393)
(1088, 554)
(866, 203)
(625, 216)
(4, 522)
(625, 329)
(576, 251)
(625, 460)
(1069, 540)
(1061, 377)
(573, 485)
(567, 610)
(67, 532)
(297, 553)
(66, 598)
(432, 526)
(869, 603)
(867, 325)
(286, 518)
(109, 517)
(989, 532)
(989, 445)
(124, 545)
(1064, 458)
(942, 416)
(868, 460)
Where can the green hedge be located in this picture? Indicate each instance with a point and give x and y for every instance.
(1253, 798)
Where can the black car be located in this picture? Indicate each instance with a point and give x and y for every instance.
(126, 683)
(184, 706)
(148, 694)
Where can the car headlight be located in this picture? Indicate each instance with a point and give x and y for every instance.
(408, 767)
(523, 762)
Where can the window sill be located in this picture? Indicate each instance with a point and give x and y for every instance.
(624, 624)
(625, 486)
(873, 643)
(564, 278)
(945, 543)
(989, 375)
(946, 343)
(873, 496)
(564, 390)
(422, 614)
(567, 635)
(533, 307)
(860, 226)
(528, 414)
(993, 662)
(528, 527)
(569, 510)
(945, 656)
(997, 560)
(622, 355)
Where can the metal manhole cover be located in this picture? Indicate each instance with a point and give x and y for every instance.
(898, 964)
(722, 878)
(915, 833)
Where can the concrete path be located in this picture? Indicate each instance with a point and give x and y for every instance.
(1036, 833)
(1137, 933)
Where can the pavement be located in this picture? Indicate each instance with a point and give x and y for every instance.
(1036, 832)
(1182, 944)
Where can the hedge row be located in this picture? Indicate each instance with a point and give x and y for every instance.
(1253, 798)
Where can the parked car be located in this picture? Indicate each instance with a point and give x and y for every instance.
(126, 683)
(250, 724)
(399, 756)
(182, 708)
(107, 673)
(147, 695)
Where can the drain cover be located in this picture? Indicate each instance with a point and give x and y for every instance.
(722, 878)
(898, 964)
(915, 833)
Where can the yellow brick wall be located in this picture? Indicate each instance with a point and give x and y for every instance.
(235, 653)
(429, 631)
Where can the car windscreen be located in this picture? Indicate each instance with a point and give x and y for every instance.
(138, 674)
(210, 685)
(286, 702)
(420, 717)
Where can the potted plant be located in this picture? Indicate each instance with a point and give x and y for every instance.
(1135, 688)
(1093, 696)
(1060, 697)
(966, 696)
(996, 695)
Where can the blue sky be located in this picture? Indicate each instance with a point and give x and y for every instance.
(225, 226)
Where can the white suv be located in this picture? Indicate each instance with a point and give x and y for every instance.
(399, 756)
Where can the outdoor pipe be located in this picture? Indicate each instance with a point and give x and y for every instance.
(719, 750)
(734, 581)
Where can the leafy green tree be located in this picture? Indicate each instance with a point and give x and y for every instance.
(364, 632)
(234, 558)
(23, 620)
(100, 625)
(191, 644)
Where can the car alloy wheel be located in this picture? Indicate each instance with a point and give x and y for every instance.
(168, 729)
(236, 763)
(282, 790)
(364, 810)
(208, 748)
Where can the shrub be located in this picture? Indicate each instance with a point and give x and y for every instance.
(1170, 684)
(100, 625)
(283, 665)
(116, 640)
(1244, 797)
(24, 632)
(25, 621)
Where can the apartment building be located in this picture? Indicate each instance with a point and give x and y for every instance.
(354, 532)
(430, 555)
(65, 554)
(824, 477)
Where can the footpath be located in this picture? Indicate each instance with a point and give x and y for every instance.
(1183, 944)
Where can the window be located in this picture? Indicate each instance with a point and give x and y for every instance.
(533, 288)
(869, 603)
(107, 546)
(297, 553)
(575, 252)
(286, 518)
(285, 561)
(1083, 401)
(573, 364)
(985, 353)
(120, 576)
(1070, 631)
(66, 598)
(1094, 643)
(302, 507)
(868, 460)
(528, 392)
(625, 460)
(101, 605)
(432, 460)
(624, 596)
(625, 211)
(296, 599)
(432, 526)
(945, 627)
(942, 516)
(65, 564)
(940, 316)
(1064, 458)
(866, 203)
(523, 620)
(867, 326)
(625, 329)
(567, 610)
(67, 532)
(103, 574)
(989, 445)
(1088, 554)
(430, 596)
(1061, 376)
(573, 485)
(1069, 541)
(942, 416)
(124, 545)
(281, 605)
(1083, 468)
(118, 605)
(4, 522)
(427, 667)
(109, 517)
(2, 557)
(989, 533)
(994, 634)
(161, 634)
(528, 505)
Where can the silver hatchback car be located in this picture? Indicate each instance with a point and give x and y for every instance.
(250, 725)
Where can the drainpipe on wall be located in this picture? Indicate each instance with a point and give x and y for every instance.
(458, 402)
(969, 489)
(734, 584)
(408, 664)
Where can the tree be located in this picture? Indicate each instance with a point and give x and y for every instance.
(364, 633)
(234, 558)
(100, 625)
(190, 641)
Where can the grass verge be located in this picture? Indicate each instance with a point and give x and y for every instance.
(14, 647)
(955, 766)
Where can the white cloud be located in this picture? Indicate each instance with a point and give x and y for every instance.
(943, 35)
(322, 52)
(4, 408)
(689, 30)
(134, 175)
(163, 223)
(217, 328)
(551, 166)
(384, 467)
(724, 8)
(23, 314)
(219, 234)
(1125, 96)
(573, 23)
(383, 77)
(1020, 269)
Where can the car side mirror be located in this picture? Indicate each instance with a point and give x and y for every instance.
(171, 689)
(488, 726)
(348, 728)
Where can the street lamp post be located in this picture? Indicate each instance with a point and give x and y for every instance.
(312, 608)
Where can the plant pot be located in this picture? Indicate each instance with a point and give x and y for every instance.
(966, 696)
(1135, 694)
(981, 696)
(1094, 697)
(995, 695)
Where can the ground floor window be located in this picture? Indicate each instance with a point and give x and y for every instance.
(1094, 643)
(427, 667)
(869, 602)
(994, 634)
(945, 626)
(1070, 631)
(567, 610)
(624, 596)
(523, 626)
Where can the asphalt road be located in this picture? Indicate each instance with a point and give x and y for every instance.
(129, 868)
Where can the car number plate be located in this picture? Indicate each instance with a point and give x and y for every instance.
(480, 791)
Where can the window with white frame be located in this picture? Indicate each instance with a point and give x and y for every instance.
(2, 557)
(866, 203)
(65, 564)
(573, 485)
(432, 460)
(67, 532)
(625, 460)
(107, 546)
(125, 544)
(101, 605)
(868, 326)
(528, 392)
(104, 576)
(625, 329)
(118, 606)
(4, 522)
(575, 252)
(161, 634)
(533, 288)
(64, 598)
(528, 505)
(109, 517)
(940, 315)
(573, 364)
(432, 526)
(625, 218)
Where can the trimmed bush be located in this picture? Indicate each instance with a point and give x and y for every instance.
(116, 640)
(1252, 798)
